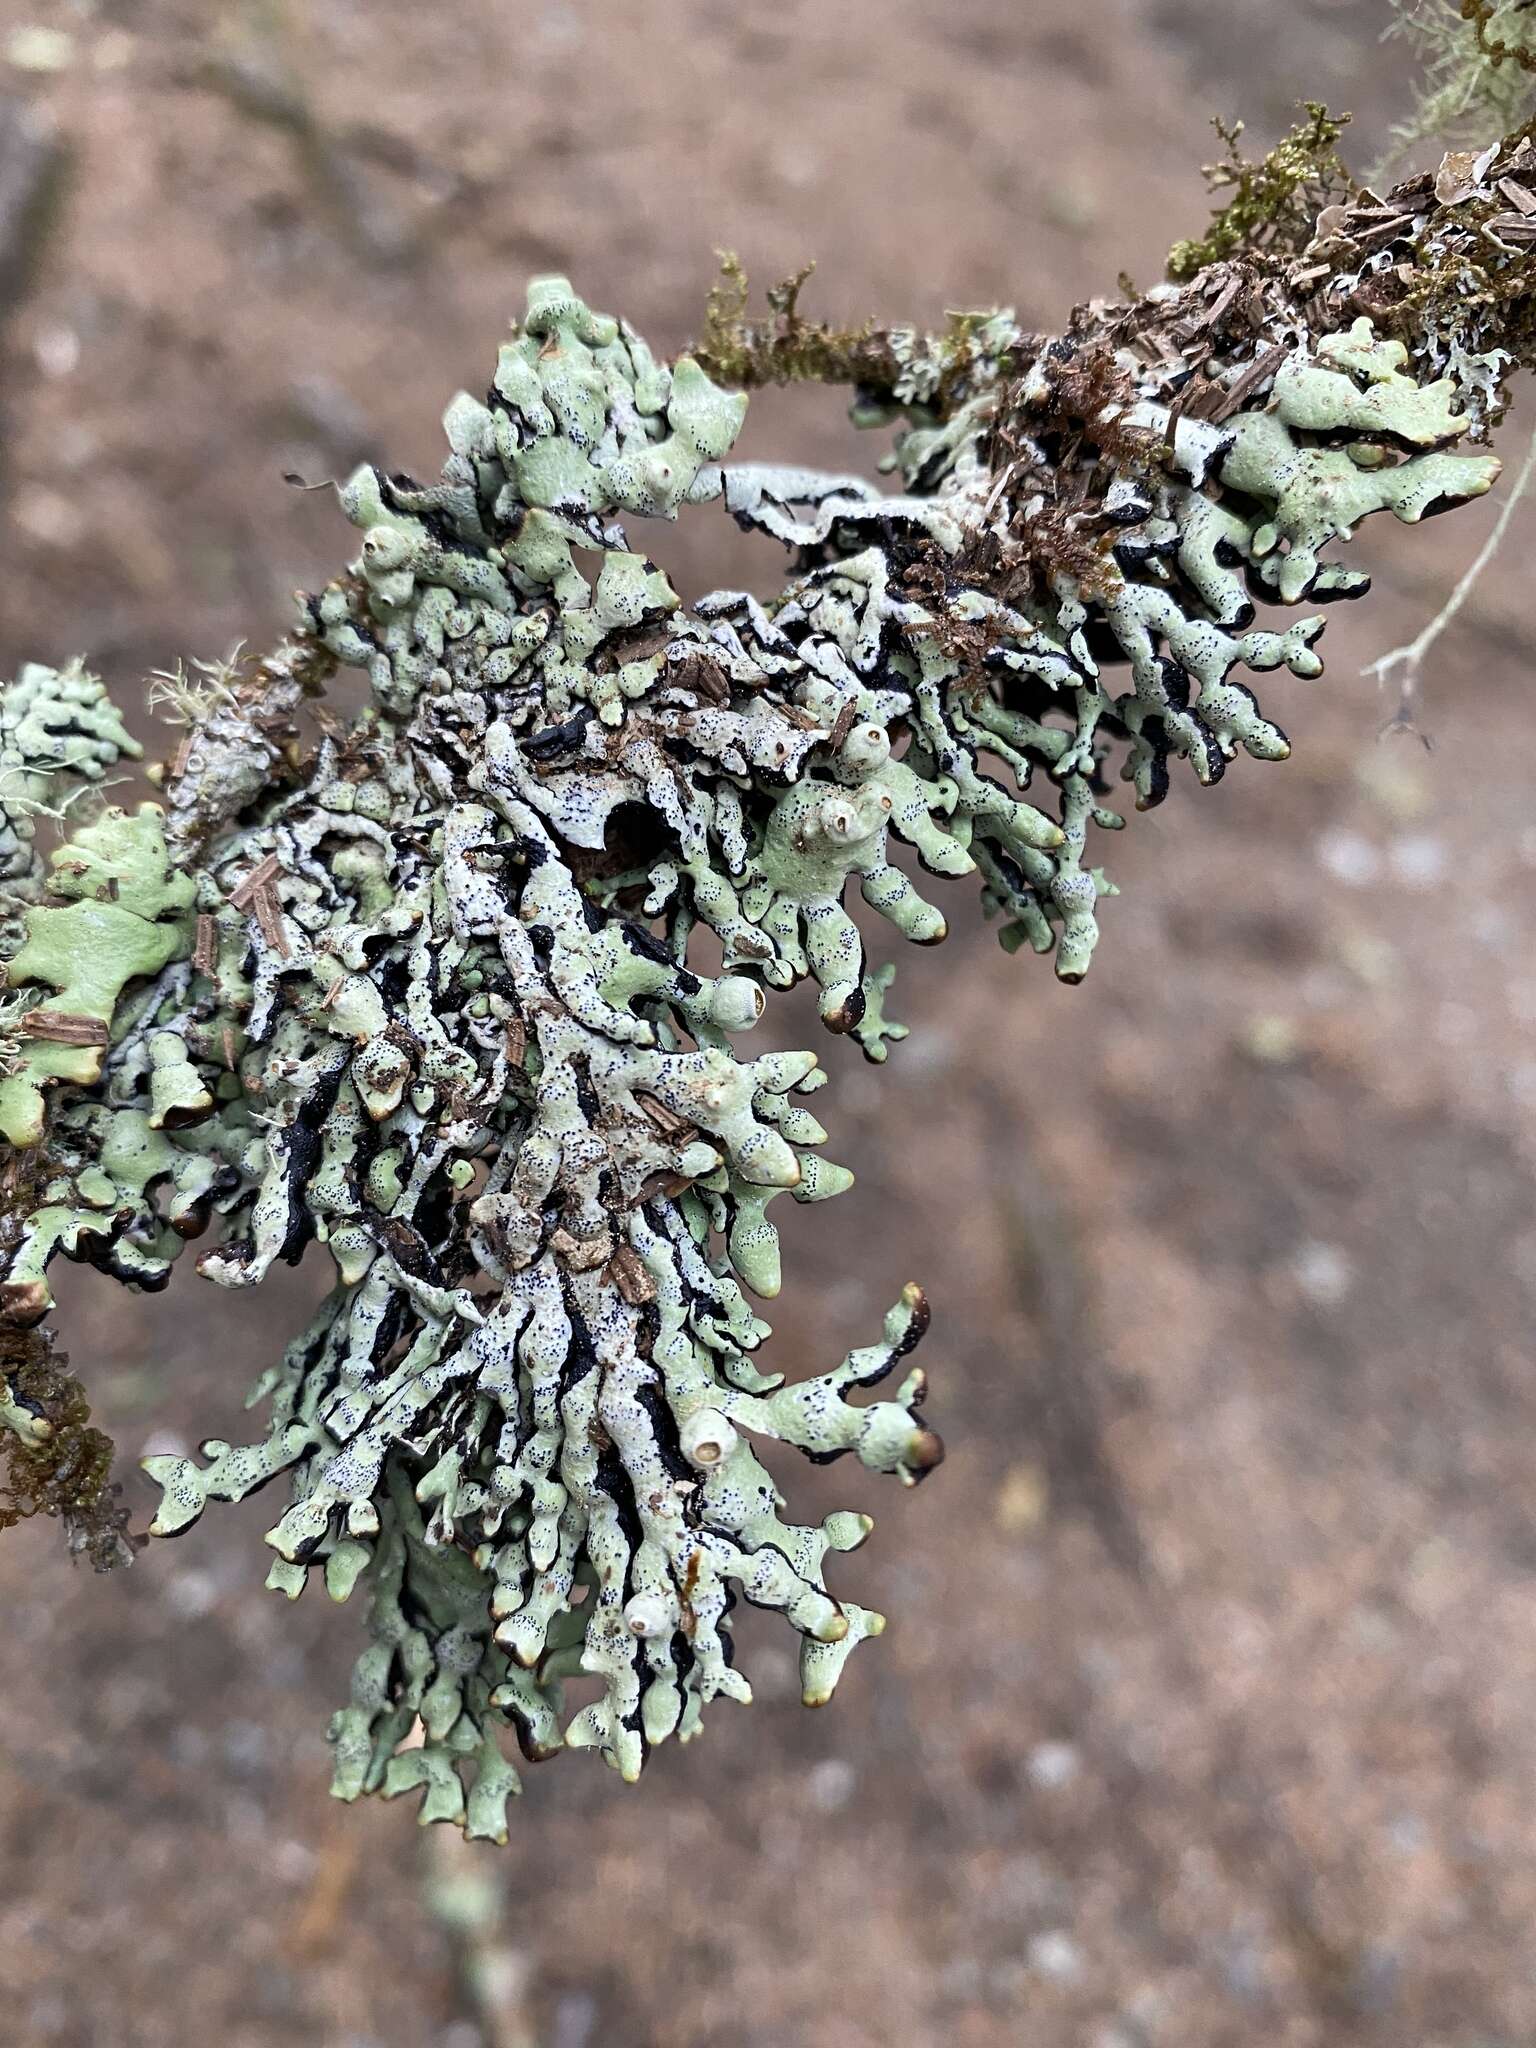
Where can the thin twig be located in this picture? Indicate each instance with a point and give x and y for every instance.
(1410, 659)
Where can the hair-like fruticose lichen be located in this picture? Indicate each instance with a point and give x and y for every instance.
(1476, 66)
(463, 989)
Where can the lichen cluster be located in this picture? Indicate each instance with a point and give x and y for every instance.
(460, 990)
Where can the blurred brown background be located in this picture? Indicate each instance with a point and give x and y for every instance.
(1205, 1712)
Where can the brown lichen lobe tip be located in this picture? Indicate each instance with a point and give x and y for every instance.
(24, 1303)
(926, 1451)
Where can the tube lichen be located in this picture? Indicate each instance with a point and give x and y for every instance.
(432, 992)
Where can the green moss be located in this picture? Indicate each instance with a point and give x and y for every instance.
(1272, 203)
(885, 365)
(786, 348)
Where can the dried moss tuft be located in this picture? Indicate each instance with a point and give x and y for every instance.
(886, 366)
(53, 1461)
(786, 348)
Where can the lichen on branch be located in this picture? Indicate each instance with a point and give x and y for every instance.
(460, 992)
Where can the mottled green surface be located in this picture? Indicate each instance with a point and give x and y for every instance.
(123, 917)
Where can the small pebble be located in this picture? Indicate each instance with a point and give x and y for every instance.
(39, 49)
(1418, 861)
(1323, 1274)
(1350, 858)
(1056, 1955)
(1053, 1764)
(190, 1592)
(832, 1783)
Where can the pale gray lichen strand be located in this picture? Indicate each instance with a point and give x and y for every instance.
(429, 1001)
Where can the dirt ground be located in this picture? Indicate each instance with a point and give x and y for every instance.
(1204, 1718)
